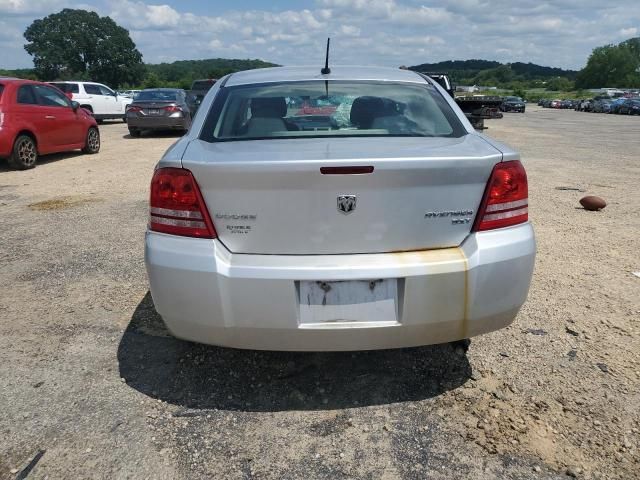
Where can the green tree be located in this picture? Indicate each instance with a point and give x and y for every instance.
(81, 44)
(152, 81)
(612, 66)
(495, 76)
(560, 84)
(519, 92)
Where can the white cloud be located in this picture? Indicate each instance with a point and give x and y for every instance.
(628, 32)
(162, 16)
(141, 16)
(350, 31)
(421, 16)
(22, 7)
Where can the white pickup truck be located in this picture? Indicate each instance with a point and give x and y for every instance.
(99, 99)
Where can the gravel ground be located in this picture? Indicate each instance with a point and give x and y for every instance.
(91, 378)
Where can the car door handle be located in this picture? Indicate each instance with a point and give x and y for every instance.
(50, 117)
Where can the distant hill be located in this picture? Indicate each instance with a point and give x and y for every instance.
(491, 73)
(176, 74)
(463, 72)
(458, 65)
(188, 70)
(537, 71)
(19, 73)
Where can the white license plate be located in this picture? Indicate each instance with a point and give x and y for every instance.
(154, 111)
(361, 301)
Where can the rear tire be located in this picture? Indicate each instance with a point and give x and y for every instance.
(463, 345)
(24, 154)
(92, 142)
(134, 132)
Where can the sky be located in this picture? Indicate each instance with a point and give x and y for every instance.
(559, 33)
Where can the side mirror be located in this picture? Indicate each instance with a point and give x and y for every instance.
(75, 106)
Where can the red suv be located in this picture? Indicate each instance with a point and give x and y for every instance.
(36, 119)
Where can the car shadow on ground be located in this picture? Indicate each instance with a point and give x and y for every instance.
(200, 377)
(44, 159)
(156, 134)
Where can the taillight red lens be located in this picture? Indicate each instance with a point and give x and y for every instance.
(133, 108)
(173, 108)
(505, 201)
(177, 206)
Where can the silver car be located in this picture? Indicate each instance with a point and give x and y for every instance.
(348, 211)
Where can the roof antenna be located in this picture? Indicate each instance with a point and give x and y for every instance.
(326, 70)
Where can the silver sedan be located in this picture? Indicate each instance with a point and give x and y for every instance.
(345, 211)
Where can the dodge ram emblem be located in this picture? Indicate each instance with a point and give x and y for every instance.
(346, 203)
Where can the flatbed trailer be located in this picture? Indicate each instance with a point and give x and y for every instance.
(477, 108)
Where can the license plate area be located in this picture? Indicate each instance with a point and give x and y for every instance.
(154, 111)
(348, 303)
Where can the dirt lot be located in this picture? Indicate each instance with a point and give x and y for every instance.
(90, 376)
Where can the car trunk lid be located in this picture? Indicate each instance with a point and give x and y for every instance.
(155, 108)
(271, 197)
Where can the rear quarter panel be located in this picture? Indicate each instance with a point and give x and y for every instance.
(18, 118)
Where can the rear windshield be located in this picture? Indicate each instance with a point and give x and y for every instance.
(330, 109)
(157, 96)
(67, 87)
(202, 85)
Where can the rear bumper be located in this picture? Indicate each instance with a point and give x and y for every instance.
(206, 294)
(157, 123)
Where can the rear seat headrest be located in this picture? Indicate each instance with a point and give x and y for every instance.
(366, 109)
(270, 107)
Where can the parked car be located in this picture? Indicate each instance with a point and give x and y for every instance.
(555, 103)
(317, 106)
(631, 106)
(602, 106)
(37, 119)
(587, 105)
(97, 98)
(512, 104)
(199, 89)
(396, 225)
(159, 109)
(616, 104)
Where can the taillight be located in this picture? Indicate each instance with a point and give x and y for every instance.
(177, 206)
(173, 108)
(133, 108)
(505, 201)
